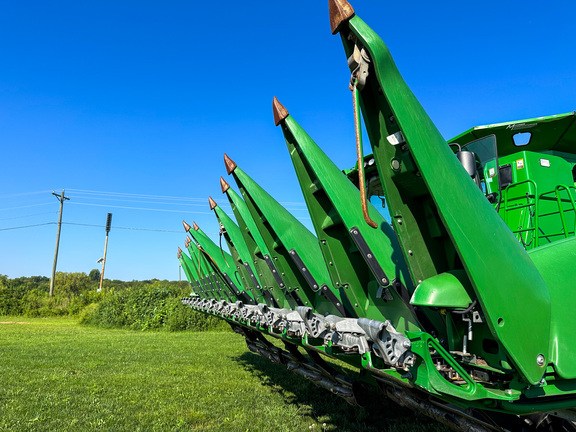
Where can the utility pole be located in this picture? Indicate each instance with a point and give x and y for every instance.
(60, 198)
(108, 224)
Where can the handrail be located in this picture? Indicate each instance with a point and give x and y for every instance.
(553, 195)
(531, 217)
(561, 207)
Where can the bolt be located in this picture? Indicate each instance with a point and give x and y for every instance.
(407, 344)
(369, 255)
(410, 252)
(509, 391)
(540, 360)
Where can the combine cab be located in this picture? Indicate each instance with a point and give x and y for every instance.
(458, 305)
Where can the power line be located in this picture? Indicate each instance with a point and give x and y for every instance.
(24, 216)
(154, 202)
(125, 228)
(99, 226)
(27, 226)
(134, 195)
(31, 205)
(24, 193)
(142, 208)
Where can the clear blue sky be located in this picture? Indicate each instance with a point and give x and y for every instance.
(138, 101)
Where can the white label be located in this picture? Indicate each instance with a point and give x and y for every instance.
(520, 164)
(545, 163)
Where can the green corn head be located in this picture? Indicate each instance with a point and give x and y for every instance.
(456, 303)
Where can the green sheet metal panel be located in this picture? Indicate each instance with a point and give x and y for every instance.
(334, 205)
(215, 263)
(556, 264)
(184, 261)
(241, 257)
(283, 233)
(472, 224)
(256, 247)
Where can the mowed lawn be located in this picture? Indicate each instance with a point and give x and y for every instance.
(56, 375)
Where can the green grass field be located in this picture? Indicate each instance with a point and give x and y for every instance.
(56, 375)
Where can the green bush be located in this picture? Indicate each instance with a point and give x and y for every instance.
(145, 308)
(151, 304)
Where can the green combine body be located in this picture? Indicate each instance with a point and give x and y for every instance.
(458, 305)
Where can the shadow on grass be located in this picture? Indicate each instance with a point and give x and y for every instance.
(379, 414)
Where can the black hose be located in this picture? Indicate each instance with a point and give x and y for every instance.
(468, 309)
